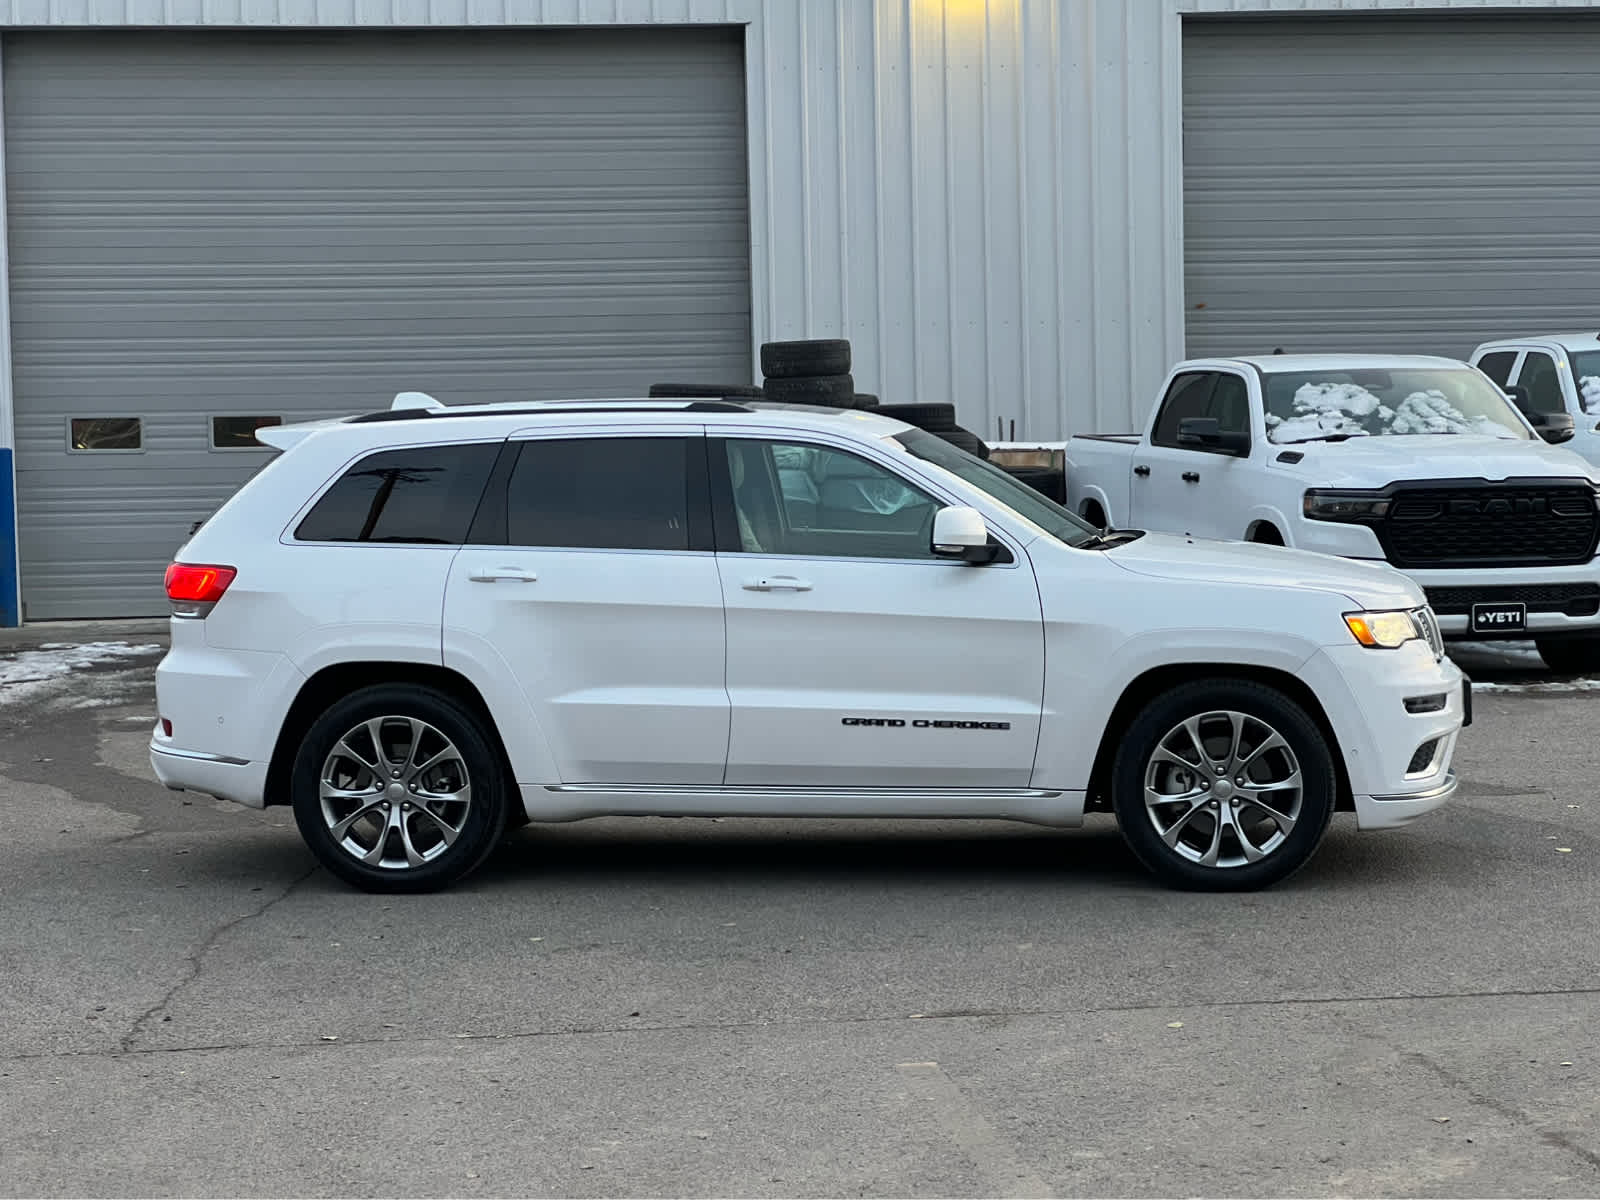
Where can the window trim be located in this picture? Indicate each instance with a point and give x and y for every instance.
(725, 521)
(211, 432)
(490, 527)
(139, 449)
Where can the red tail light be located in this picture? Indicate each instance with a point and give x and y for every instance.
(193, 589)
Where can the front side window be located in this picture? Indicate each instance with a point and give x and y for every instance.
(1540, 379)
(1021, 499)
(1188, 396)
(1317, 406)
(623, 493)
(804, 500)
(422, 495)
(1586, 374)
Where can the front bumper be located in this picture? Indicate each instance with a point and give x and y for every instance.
(1364, 694)
(1391, 812)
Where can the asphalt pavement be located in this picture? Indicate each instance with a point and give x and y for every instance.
(188, 1006)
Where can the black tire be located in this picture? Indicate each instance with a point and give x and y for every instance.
(1047, 481)
(935, 418)
(964, 440)
(705, 391)
(795, 360)
(1094, 514)
(1266, 535)
(864, 400)
(479, 822)
(1570, 656)
(1265, 710)
(829, 391)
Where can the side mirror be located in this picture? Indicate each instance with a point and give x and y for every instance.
(960, 532)
(1553, 427)
(1205, 433)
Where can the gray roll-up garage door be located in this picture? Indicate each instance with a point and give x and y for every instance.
(231, 225)
(1390, 184)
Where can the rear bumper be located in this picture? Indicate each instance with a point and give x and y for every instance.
(225, 778)
(1391, 812)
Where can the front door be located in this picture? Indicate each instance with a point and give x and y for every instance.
(857, 659)
(590, 577)
(1187, 489)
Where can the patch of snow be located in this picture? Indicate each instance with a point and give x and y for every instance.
(1589, 385)
(1555, 685)
(28, 673)
(1349, 410)
(1430, 412)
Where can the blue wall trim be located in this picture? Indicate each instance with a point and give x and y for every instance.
(9, 613)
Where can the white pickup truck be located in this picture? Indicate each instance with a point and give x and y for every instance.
(1419, 462)
(1550, 375)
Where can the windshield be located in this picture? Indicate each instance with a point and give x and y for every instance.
(995, 483)
(1308, 406)
(1586, 371)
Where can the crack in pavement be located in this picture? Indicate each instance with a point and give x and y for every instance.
(126, 1049)
(195, 962)
(1554, 1139)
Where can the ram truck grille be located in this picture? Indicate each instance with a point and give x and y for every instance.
(1504, 525)
(1571, 599)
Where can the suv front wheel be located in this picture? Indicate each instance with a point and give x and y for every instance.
(397, 789)
(1224, 785)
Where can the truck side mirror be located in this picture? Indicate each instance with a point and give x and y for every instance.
(1206, 433)
(1553, 427)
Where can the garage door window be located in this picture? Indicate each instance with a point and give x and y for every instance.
(239, 433)
(105, 433)
(425, 494)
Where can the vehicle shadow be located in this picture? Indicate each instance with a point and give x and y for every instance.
(694, 851)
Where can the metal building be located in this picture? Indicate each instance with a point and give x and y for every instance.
(219, 213)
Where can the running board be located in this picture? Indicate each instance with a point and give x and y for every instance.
(576, 801)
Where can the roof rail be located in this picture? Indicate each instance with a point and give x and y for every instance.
(414, 400)
(414, 413)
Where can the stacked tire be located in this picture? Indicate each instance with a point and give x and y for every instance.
(814, 372)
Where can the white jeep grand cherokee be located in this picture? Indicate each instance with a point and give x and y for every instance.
(422, 626)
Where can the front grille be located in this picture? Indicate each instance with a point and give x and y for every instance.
(1573, 599)
(1423, 758)
(1490, 525)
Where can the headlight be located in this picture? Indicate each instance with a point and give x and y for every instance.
(1330, 504)
(1383, 630)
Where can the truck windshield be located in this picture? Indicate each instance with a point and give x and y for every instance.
(1019, 497)
(1311, 406)
(1586, 374)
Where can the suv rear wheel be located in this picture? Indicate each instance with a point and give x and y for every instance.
(397, 789)
(1223, 786)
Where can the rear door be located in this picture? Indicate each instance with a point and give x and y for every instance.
(856, 659)
(590, 578)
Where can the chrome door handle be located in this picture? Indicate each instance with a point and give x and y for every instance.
(507, 574)
(777, 583)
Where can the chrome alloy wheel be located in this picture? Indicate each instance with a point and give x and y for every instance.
(1223, 789)
(395, 793)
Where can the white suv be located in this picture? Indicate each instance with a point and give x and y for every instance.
(422, 626)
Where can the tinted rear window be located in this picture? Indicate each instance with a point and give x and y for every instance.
(603, 494)
(424, 494)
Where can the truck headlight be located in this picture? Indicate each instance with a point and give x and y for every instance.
(1336, 504)
(1383, 630)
